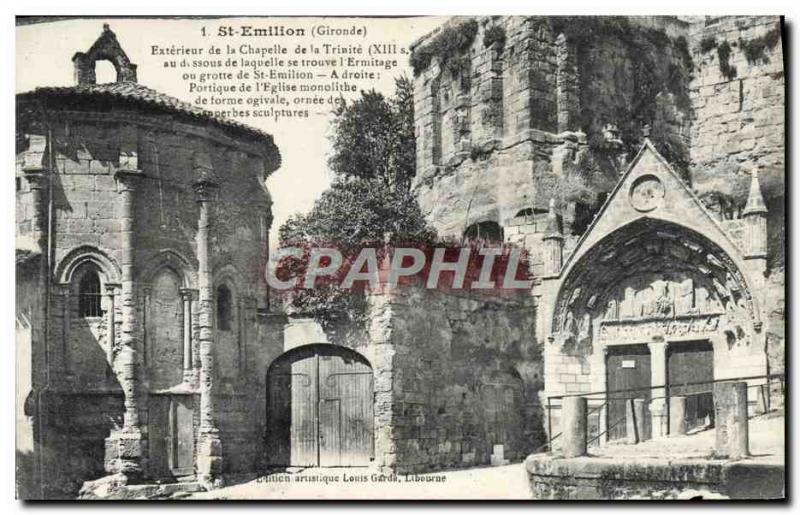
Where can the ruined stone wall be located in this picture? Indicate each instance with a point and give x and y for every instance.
(739, 124)
(464, 378)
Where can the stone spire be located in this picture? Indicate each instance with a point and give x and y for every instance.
(755, 200)
(553, 243)
(552, 229)
(755, 222)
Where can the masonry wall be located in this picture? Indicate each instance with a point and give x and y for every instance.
(83, 403)
(499, 123)
(739, 121)
(465, 373)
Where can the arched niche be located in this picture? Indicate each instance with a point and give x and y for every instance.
(327, 387)
(652, 276)
(229, 321)
(172, 260)
(107, 268)
(485, 231)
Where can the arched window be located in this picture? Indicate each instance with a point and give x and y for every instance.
(89, 296)
(224, 308)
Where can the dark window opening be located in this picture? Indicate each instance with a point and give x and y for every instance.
(489, 231)
(530, 211)
(89, 295)
(224, 311)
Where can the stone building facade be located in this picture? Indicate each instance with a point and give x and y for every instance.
(142, 233)
(643, 272)
(147, 348)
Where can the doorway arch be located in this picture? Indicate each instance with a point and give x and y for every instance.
(320, 408)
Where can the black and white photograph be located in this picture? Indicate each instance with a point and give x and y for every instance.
(469, 257)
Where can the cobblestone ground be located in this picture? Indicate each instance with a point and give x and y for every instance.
(503, 482)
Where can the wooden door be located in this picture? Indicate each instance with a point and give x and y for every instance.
(159, 436)
(627, 368)
(502, 402)
(345, 400)
(320, 409)
(182, 435)
(688, 363)
(171, 435)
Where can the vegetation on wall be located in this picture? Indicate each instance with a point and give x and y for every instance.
(724, 51)
(450, 42)
(659, 66)
(755, 50)
(724, 55)
(724, 188)
(494, 35)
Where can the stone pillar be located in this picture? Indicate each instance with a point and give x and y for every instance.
(61, 328)
(658, 377)
(635, 421)
(124, 446)
(567, 96)
(37, 183)
(186, 297)
(111, 340)
(732, 431)
(209, 459)
(677, 416)
(146, 292)
(631, 431)
(573, 426)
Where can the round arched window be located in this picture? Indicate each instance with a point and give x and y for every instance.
(89, 295)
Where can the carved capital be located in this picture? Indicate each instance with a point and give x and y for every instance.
(189, 294)
(205, 190)
(112, 288)
(127, 179)
(36, 177)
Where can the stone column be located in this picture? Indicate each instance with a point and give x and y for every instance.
(573, 426)
(677, 416)
(61, 328)
(186, 297)
(111, 315)
(124, 446)
(658, 377)
(631, 433)
(209, 459)
(146, 292)
(37, 183)
(635, 423)
(732, 430)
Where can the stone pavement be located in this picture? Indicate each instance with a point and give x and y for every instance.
(503, 482)
(766, 443)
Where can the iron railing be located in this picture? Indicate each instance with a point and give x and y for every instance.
(603, 396)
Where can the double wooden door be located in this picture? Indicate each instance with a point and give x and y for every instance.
(320, 408)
